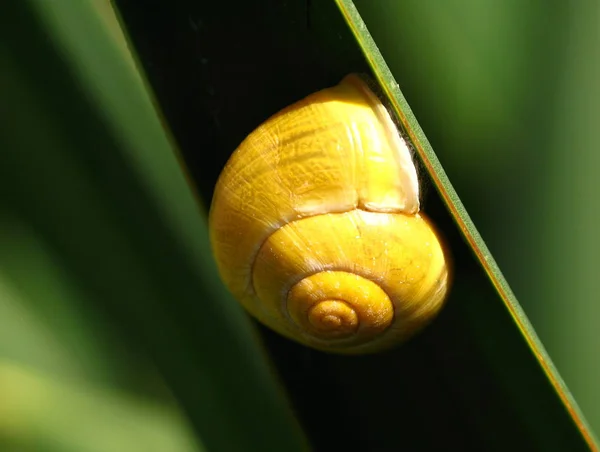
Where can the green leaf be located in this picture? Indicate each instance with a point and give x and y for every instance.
(89, 168)
(41, 413)
(565, 415)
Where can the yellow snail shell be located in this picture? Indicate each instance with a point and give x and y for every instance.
(316, 230)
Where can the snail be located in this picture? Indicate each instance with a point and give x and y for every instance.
(316, 230)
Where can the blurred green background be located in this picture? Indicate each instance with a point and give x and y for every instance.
(115, 334)
(507, 93)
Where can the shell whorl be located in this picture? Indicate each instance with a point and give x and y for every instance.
(389, 268)
(316, 229)
(338, 305)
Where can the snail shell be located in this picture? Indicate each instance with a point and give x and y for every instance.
(316, 230)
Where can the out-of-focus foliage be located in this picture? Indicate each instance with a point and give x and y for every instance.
(508, 94)
(115, 333)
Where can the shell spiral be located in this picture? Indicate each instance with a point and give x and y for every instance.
(316, 230)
